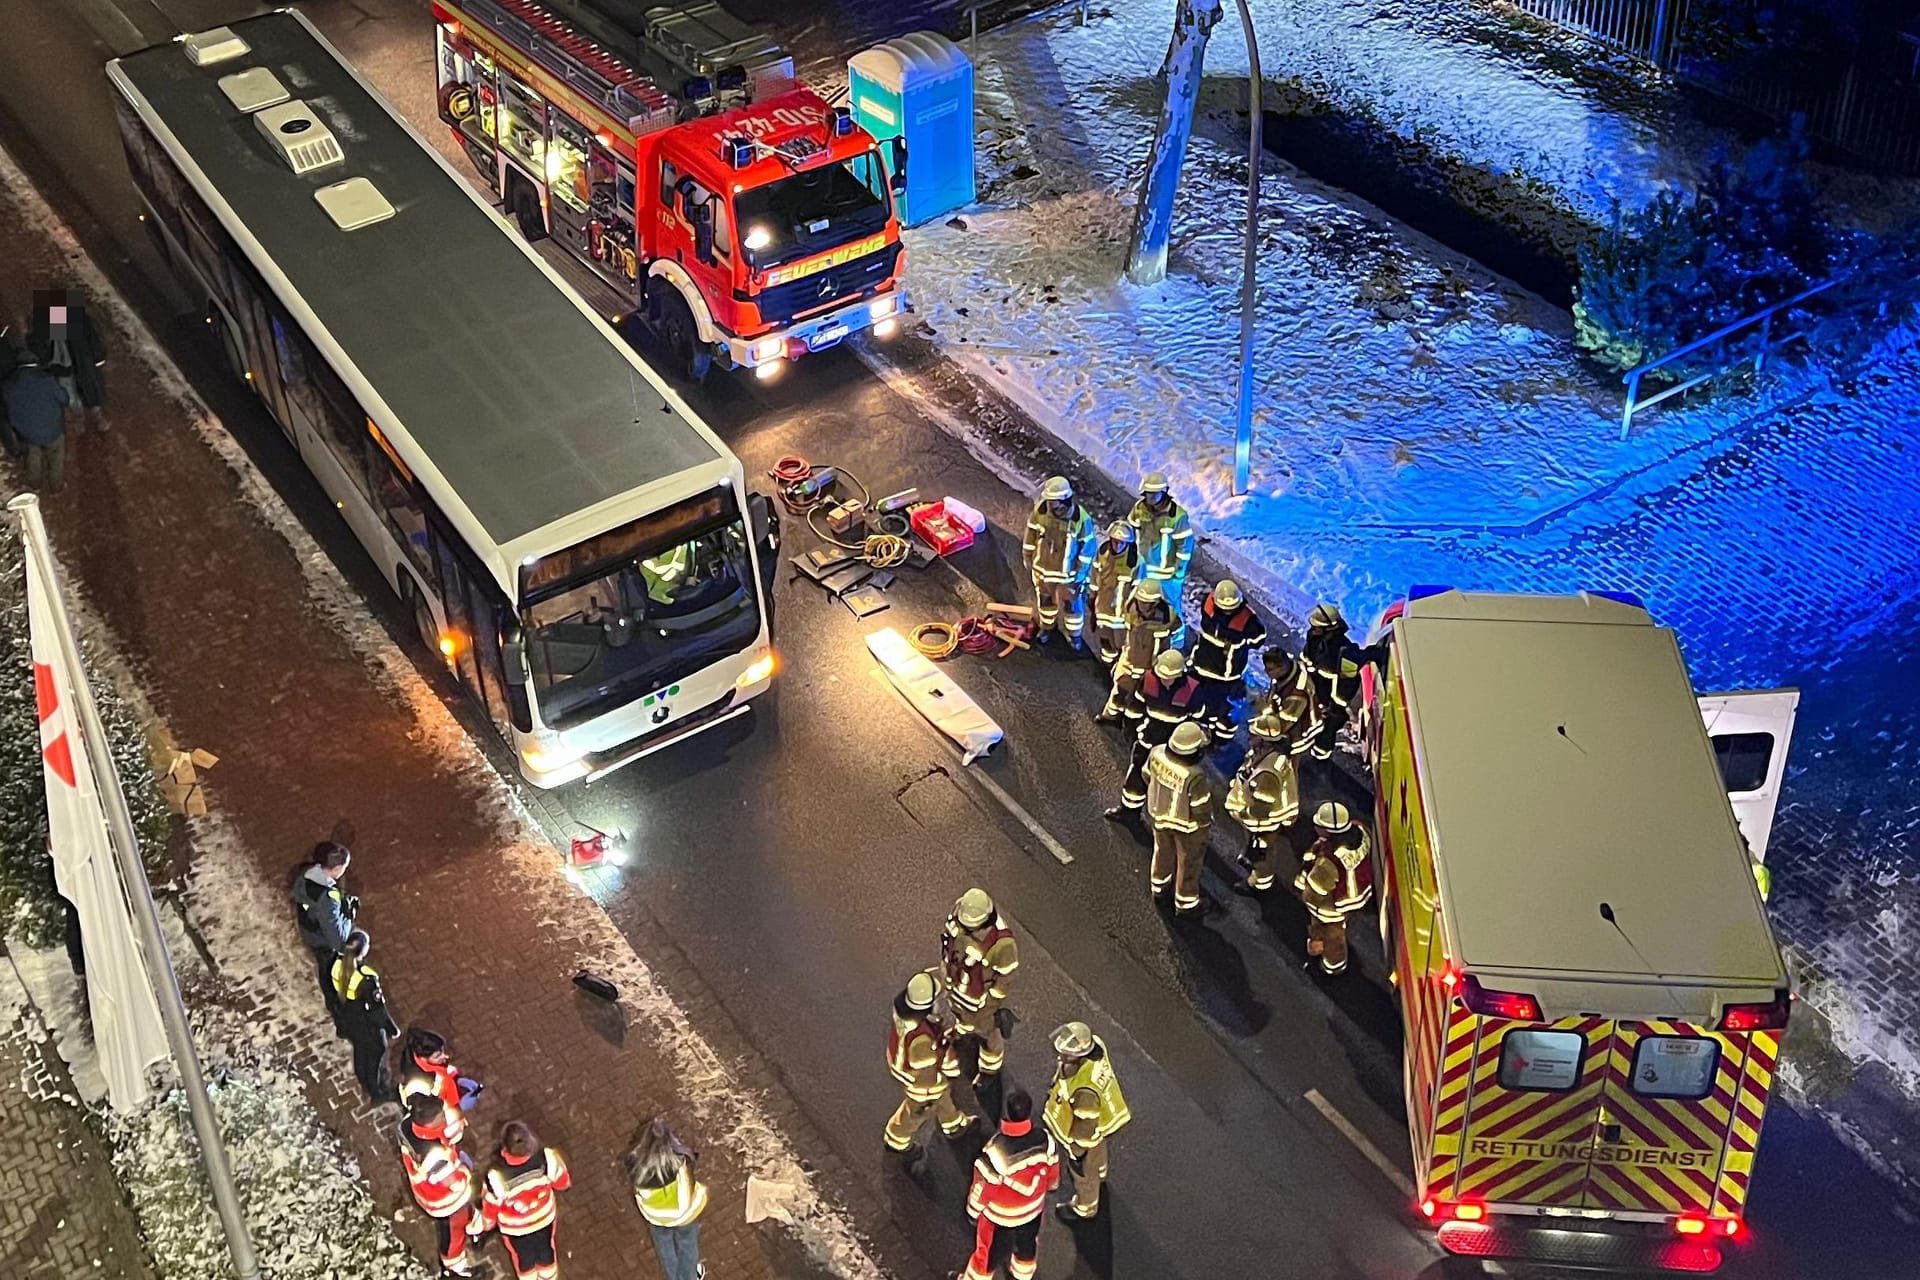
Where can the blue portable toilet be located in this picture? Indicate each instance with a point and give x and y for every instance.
(920, 87)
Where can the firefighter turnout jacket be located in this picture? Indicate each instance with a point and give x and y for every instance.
(1060, 548)
(1110, 584)
(519, 1196)
(1018, 1168)
(1084, 1104)
(1159, 706)
(1296, 704)
(1227, 641)
(1338, 876)
(438, 1172)
(920, 1052)
(978, 964)
(1267, 771)
(1149, 624)
(1179, 796)
(1165, 539)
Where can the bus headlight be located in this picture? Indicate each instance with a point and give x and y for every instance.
(767, 349)
(760, 669)
(547, 752)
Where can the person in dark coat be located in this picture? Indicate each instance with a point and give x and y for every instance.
(364, 1017)
(69, 345)
(36, 411)
(9, 361)
(326, 913)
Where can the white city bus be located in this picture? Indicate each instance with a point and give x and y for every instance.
(570, 537)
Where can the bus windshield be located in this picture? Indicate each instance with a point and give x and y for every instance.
(812, 210)
(639, 608)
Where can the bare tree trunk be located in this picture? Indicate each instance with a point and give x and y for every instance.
(1153, 217)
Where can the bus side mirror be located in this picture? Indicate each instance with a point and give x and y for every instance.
(513, 659)
(765, 522)
(899, 179)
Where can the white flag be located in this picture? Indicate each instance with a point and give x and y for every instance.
(127, 1031)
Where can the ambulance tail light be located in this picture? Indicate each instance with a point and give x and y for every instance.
(1770, 1016)
(1512, 1005)
(1690, 1224)
(1440, 1211)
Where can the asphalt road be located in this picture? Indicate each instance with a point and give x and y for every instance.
(803, 857)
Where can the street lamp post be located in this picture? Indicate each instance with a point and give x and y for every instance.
(1243, 434)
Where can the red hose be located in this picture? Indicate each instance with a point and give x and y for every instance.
(792, 469)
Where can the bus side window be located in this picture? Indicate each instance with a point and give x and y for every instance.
(394, 495)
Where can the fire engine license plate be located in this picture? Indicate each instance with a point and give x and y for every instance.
(826, 337)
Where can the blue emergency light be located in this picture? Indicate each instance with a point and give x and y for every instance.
(737, 151)
(733, 77)
(842, 121)
(697, 88)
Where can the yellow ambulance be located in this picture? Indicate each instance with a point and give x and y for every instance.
(1592, 997)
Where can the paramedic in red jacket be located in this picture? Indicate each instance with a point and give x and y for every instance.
(520, 1201)
(1016, 1171)
(441, 1177)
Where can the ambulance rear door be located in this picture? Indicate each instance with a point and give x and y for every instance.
(1532, 1112)
(1667, 1111)
(1750, 731)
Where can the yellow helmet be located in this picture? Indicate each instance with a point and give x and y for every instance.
(1056, 489)
(1189, 739)
(973, 909)
(1120, 531)
(1227, 594)
(1153, 484)
(1267, 724)
(920, 991)
(1170, 665)
(1332, 816)
(1150, 590)
(1326, 615)
(1073, 1040)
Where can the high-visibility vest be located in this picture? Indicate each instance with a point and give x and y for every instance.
(1149, 624)
(439, 1175)
(349, 978)
(1165, 539)
(1226, 641)
(1339, 879)
(1017, 1169)
(1057, 549)
(1274, 767)
(1110, 585)
(675, 1205)
(1179, 797)
(520, 1198)
(1090, 1095)
(919, 1054)
(977, 965)
(439, 1080)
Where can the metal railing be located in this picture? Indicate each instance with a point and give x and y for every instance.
(1760, 323)
(1642, 27)
(1871, 116)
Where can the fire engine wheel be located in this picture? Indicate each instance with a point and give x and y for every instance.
(682, 337)
(526, 212)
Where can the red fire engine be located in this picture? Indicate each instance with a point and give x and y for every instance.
(672, 152)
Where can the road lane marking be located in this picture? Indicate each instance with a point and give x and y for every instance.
(981, 776)
(1360, 1143)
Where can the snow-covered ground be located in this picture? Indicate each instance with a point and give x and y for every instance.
(1401, 388)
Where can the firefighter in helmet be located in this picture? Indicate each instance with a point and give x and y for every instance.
(1115, 566)
(1291, 698)
(1180, 810)
(1059, 553)
(1333, 664)
(1264, 798)
(1230, 633)
(1149, 624)
(921, 1056)
(1084, 1109)
(1164, 535)
(978, 955)
(1335, 882)
(1166, 697)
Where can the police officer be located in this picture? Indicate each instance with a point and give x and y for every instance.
(1059, 553)
(1230, 631)
(364, 1017)
(921, 1056)
(325, 913)
(1335, 882)
(1149, 624)
(1180, 810)
(1016, 1171)
(978, 955)
(1110, 585)
(1164, 535)
(1165, 697)
(1084, 1109)
(1264, 798)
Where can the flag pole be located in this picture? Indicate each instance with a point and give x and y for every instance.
(146, 916)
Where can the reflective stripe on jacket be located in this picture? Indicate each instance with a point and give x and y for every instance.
(1148, 625)
(1179, 797)
(920, 1054)
(1274, 766)
(520, 1198)
(1165, 540)
(1017, 1169)
(1226, 641)
(1159, 706)
(675, 1205)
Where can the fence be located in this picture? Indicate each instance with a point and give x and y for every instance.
(1645, 28)
(1731, 346)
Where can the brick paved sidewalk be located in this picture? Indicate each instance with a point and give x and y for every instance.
(261, 656)
(65, 1216)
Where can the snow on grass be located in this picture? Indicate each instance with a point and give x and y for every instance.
(229, 900)
(302, 1195)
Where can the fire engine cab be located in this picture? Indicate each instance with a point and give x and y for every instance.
(671, 151)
